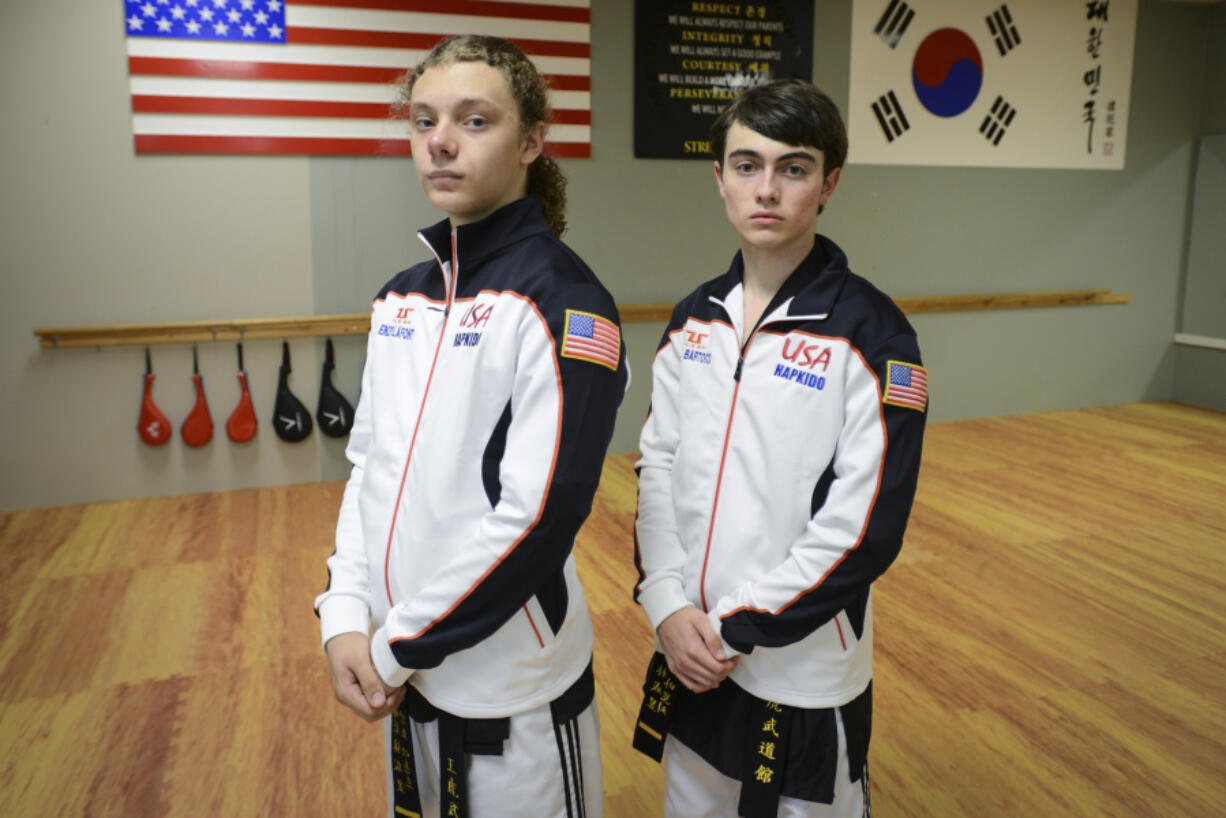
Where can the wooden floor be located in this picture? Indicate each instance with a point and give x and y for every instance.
(1051, 641)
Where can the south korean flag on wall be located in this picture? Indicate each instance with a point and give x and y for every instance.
(1024, 83)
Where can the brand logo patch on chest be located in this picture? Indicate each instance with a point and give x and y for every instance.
(400, 326)
(696, 346)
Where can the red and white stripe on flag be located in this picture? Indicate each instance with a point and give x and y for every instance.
(329, 87)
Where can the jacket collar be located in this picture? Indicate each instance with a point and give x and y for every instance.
(811, 290)
(503, 227)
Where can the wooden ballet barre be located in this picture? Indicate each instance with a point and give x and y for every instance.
(1010, 301)
(632, 313)
(359, 323)
(202, 331)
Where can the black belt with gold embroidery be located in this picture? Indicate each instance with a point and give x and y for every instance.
(762, 781)
(660, 692)
(406, 799)
(457, 736)
(773, 749)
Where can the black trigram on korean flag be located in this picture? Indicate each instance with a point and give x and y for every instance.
(1000, 23)
(997, 120)
(893, 23)
(889, 114)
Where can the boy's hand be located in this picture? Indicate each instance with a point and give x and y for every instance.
(354, 680)
(693, 649)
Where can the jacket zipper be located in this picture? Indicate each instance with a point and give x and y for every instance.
(719, 479)
(455, 274)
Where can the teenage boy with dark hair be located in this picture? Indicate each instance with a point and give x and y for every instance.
(779, 462)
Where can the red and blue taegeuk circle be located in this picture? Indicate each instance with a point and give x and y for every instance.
(947, 72)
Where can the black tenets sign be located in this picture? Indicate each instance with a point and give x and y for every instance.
(691, 58)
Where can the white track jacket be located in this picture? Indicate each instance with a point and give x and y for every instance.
(776, 478)
(492, 380)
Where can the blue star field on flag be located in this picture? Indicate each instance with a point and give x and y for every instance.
(248, 21)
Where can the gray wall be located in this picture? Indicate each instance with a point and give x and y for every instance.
(1200, 374)
(94, 235)
(1204, 310)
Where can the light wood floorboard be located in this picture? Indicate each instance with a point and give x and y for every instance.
(1050, 642)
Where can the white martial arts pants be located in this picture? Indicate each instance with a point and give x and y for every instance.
(695, 789)
(545, 770)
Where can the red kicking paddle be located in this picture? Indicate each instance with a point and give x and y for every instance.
(242, 423)
(197, 428)
(152, 426)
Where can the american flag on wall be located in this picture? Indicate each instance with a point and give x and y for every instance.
(316, 76)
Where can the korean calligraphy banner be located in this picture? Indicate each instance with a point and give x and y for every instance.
(691, 58)
(317, 76)
(1027, 83)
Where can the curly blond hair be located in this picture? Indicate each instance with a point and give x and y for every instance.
(531, 93)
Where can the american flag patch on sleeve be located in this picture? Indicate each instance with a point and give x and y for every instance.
(906, 385)
(591, 338)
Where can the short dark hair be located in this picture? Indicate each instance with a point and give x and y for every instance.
(790, 111)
